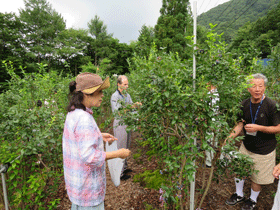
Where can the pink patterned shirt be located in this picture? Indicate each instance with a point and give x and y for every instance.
(83, 159)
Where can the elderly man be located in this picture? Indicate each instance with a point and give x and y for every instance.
(260, 121)
(118, 99)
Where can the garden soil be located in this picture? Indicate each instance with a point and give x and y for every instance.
(134, 196)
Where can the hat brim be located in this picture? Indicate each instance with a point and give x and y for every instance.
(104, 85)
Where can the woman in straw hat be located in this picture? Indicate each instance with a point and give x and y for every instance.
(83, 151)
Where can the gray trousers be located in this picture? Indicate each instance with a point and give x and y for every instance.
(209, 153)
(124, 138)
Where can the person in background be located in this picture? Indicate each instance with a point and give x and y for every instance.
(39, 155)
(83, 150)
(119, 97)
(214, 99)
(260, 121)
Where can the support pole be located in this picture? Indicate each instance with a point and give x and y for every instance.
(192, 186)
(194, 41)
(5, 192)
(3, 169)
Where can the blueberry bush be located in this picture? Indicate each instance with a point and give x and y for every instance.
(32, 112)
(174, 115)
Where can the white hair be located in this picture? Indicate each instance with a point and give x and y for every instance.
(259, 76)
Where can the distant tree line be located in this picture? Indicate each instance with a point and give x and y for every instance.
(39, 35)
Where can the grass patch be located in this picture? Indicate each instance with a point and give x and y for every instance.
(150, 179)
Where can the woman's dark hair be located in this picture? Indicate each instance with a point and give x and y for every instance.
(75, 98)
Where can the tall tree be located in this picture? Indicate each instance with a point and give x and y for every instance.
(145, 41)
(122, 52)
(101, 38)
(103, 47)
(11, 37)
(173, 25)
(70, 47)
(43, 25)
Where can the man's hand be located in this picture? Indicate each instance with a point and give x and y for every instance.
(137, 105)
(250, 128)
(108, 138)
(276, 171)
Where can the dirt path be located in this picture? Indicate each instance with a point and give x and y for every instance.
(130, 195)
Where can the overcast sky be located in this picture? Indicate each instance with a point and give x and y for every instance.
(123, 18)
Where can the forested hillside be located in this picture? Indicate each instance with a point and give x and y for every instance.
(233, 14)
(259, 38)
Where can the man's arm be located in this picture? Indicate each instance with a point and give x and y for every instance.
(265, 129)
(235, 132)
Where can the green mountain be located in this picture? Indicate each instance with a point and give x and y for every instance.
(233, 14)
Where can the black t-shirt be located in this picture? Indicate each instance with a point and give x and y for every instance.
(268, 115)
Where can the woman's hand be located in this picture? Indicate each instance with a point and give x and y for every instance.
(123, 153)
(108, 138)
